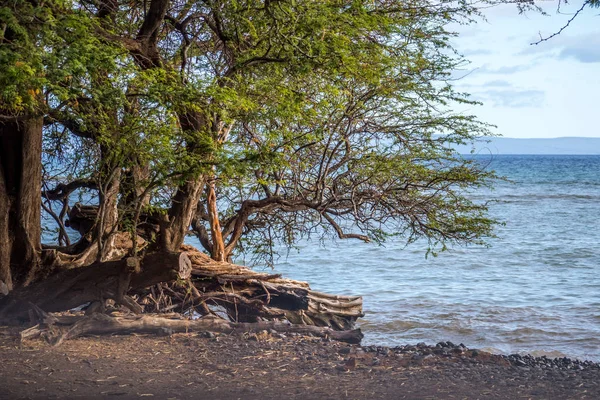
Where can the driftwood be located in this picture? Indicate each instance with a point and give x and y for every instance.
(82, 218)
(95, 283)
(189, 283)
(101, 324)
(243, 294)
(250, 296)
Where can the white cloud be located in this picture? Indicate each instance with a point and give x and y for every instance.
(584, 48)
(476, 52)
(497, 83)
(511, 98)
(582, 55)
(548, 90)
(503, 70)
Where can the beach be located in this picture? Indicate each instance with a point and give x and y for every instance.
(274, 366)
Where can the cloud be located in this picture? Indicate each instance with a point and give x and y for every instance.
(476, 52)
(492, 84)
(504, 70)
(584, 48)
(584, 55)
(497, 83)
(459, 74)
(511, 98)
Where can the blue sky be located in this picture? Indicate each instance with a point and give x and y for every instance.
(533, 91)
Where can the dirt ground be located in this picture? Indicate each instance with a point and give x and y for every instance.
(265, 366)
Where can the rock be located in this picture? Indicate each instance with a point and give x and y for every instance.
(165, 332)
(345, 350)
(208, 335)
(520, 363)
(349, 365)
(384, 351)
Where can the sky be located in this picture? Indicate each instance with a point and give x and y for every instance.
(547, 90)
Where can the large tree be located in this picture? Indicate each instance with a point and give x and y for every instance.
(247, 122)
(42, 48)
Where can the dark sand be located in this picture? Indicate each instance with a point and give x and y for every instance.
(264, 366)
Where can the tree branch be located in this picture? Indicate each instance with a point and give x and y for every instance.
(63, 190)
(544, 39)
(341, 233)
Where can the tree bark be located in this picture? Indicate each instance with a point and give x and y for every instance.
(96, 282)
(6, 238)
(100, 324)
(180, 214)
(185, 201)
(20, 201)
(109, 213)
(218, 246)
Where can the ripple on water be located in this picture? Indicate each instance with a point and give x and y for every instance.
(535, 289)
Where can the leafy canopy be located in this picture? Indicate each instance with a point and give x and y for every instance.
(332, 116)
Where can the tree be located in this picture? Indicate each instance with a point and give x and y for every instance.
(247, 121)
(29, 73)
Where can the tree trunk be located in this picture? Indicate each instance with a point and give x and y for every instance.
(218, 246)
(96, 282)
(180, 215)
(20, 201)
(185, 201)
(133, 187)
(100, 324)
(109, 214)
(6, 238)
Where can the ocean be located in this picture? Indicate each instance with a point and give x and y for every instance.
(535, 290)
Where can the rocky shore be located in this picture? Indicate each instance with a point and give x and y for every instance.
(449, 349)
(273, 366)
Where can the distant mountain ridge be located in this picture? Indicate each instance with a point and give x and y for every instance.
(561, 145)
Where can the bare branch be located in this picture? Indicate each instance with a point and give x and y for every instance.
(341, 233)
(544, 39)
(63, 190)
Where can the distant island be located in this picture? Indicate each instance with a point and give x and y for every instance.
(561, 145)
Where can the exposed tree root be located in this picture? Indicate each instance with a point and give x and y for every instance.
(102, 324)
(245, 295)
(188, 283)
(96, 282)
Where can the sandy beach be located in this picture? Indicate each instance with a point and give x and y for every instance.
(272, 366)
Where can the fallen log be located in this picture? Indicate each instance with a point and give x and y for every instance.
(101, 324)
(97, 282)
(245, 295)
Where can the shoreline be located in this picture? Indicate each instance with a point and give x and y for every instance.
(270, 366)
(547, 353)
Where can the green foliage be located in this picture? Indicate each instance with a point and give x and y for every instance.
(312, 116)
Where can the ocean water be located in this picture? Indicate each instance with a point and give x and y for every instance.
(535, 290)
